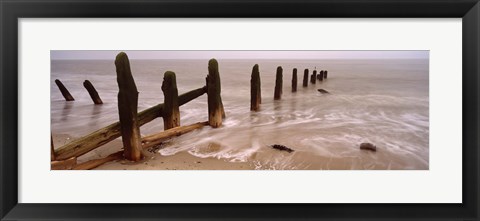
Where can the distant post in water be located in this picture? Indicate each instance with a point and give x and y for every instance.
(322, 73)
(313, 78)
(255, 89)
(93, 93)
(215, 105)
(305, 78)
(278, 84)
(127, 109)
(294, 80)
(325, 73)
(171, 110)
(66, 94)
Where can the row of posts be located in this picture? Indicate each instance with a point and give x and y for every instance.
(128, 99)
(255, 89)
(87, 84)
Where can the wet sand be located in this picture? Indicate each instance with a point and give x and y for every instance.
(153, 161)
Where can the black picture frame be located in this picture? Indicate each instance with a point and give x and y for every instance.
(12, 10)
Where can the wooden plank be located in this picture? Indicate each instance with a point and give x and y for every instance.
(67, 164)
(155, 139)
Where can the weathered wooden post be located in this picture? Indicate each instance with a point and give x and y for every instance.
(66, 94)
(325, 73)
(215, 105)
(305, 78)
(52, 150)
(127, 109)
(171, 110)
(93, 93)
(255, 89)
(278, 84)
(313, 78)
(321, 75)
(294, 80)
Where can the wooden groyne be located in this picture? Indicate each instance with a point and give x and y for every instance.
(130, 120)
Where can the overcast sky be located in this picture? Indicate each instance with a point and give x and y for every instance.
(110, 55)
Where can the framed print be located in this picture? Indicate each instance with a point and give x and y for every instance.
(288, 110)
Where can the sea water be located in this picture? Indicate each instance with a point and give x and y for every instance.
(384, 102)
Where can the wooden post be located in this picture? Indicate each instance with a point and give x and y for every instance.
(321, 75)
(171, 111)
(93, 93)
(127, 109)
(305, 78)
(63, 89)
(215, 105)
(278, 84)
(325, 73)
(52, 150)
(294, 80)
(313, 78)
(255, 89)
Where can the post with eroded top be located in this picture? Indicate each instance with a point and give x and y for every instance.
(313, 78)
(66, 94)
(215, 105)
(294, 80)
(93, 92)
(255, 89)
(171, 111)
(322, 74)
(127, 109)
(305, 78)
(278, 84)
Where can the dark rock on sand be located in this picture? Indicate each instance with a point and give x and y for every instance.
(368, 146)
(323, 91)
(281, 147)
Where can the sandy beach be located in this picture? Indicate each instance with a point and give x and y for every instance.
(153, 161)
